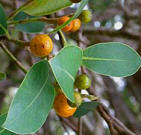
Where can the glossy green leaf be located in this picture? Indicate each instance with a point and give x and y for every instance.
(2, 76)
(77, 13)
(2, 130)
(112, 59)
(33, 101)
(65, 66)
(31, 27)
(45, 7)
(3, 23)
(85, 107)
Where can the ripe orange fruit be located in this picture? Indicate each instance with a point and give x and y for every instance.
(64, 19)
(76, 25)
(41, 45)
(75, 1)
(62, 107)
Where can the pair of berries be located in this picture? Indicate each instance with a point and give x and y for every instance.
(62, 106)
(65, 108)
(73, 26)
(42, 45)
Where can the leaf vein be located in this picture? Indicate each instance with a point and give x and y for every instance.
(65, 71)
(102, 59)
(42, 88)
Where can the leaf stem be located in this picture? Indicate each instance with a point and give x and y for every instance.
(5, 49)
(19, 42)
(28, 20)
(64, 41)
(13, 14)
(91, 97)
(6, 31)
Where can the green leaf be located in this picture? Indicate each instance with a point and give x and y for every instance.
(31, 27)
(112, 59)
(2, 130)
(33, 101)
(45, 7)
(2, 76)
(77, 13)
(65, 66)
(85, 107)
(3, 22)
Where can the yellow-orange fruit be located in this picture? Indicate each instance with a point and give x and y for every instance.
(62, 107)
(64, 19)
(41, 45)
(76, 25)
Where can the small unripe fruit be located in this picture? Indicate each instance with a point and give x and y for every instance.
(78, 98)
(41, 45)
(82, 82)
(75, 1)
(62, 107)
(85, 16)
(76, 25)
(64, 19)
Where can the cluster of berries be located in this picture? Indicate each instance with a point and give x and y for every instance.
(73, 26)
(41, 45)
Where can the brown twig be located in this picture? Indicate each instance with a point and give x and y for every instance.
(112, 33)
(114, 124)
(15, 41)
(42, 19)
(79, 132)
(107, 119)
(5, 49)
(15, 12)
(69, 124)
(63, 125)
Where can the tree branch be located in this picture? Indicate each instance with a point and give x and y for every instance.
(79, 132)
(112, 33)
(5, 49)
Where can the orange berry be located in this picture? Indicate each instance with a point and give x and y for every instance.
(76, 25)
(75, 1)
(64, 19)
(62, 107)
(41, 45)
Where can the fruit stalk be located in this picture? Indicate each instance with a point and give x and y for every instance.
(91, 97)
